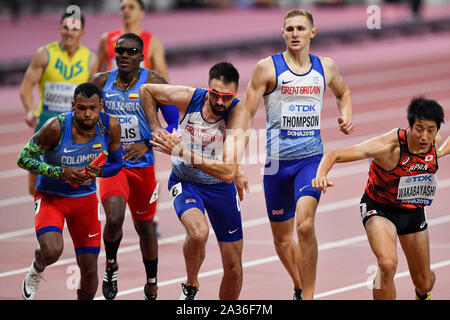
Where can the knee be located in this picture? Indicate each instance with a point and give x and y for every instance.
(51, 252)
(89, 272)
(305, 229)
(199, 236)
(115, 219)
(282, 243)
(233, 272)
(388, 266)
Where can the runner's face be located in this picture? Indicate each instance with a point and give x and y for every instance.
(298, 32)
(126, 62)
(87, 111)
(71, 32)
(218, 106)
(130, 11)
(423, 133)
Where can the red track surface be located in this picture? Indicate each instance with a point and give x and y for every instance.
(382, 75)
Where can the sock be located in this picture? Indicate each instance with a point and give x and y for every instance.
(151, 269)
(111, 249)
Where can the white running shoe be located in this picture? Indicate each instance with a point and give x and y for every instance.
(31, 283)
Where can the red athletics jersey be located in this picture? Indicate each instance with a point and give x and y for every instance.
(111, 45)
(411, 184)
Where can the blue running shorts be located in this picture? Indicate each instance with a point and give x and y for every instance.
(291, 181)
(220, 200)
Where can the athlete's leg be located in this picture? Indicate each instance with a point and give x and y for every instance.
(197, 232)
(88, 276)
(416, 247)
(382, 236)
(231, 285)
(286, 248)
(307, 244)
(50, 248)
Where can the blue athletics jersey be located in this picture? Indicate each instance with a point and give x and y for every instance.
(126, 107)
(69, 154)
(201, 137)
(293, 111)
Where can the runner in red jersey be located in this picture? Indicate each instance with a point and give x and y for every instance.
(132, 13)
(402, 181)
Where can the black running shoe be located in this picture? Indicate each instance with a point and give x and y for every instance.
(188, 292)
(109, 287)
(148, 296)
(298, 294)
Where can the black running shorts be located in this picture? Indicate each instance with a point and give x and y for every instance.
(405, 220)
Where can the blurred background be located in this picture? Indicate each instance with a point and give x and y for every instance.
(210, 29)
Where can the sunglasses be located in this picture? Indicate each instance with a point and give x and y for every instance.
(130, 51)
(224, 96)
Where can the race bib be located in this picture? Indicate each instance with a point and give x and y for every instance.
(298, 120)
(130, 128)
(419, 189)
(58, 96)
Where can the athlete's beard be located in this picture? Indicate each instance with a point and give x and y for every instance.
(218, 113)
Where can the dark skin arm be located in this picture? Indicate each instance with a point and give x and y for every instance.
(47, 139)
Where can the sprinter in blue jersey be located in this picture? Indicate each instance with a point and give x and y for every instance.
(292, 84)
(60, 152)
(204, 169)
(136, 183)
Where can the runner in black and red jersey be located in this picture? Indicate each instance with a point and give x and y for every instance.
(402, 181)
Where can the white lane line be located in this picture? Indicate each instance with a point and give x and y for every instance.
(399, 275)
(322, 247)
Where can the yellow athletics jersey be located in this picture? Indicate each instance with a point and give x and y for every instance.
(61, 76)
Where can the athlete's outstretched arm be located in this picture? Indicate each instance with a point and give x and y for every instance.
(377, 148)
(444, 149)
(151, 95)
(342, 92)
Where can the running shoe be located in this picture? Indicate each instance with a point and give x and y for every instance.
(31, 283)
(149, 297)
(188, 292)
(298, 294)
(109, 286)
(426, 296)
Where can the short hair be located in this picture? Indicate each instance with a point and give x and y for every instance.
(140, 2)
(298, 12)
(87, 89)
(134, 37)
(70, 14)
(425, 109)
(225, 72)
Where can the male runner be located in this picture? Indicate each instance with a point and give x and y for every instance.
(136, 183)
(58, 68)
(68, 143)
(292, 84)
(402, 181)
(203, 170)
(132, 13)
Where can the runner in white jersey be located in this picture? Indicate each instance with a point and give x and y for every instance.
(292, 84)
(205, 170)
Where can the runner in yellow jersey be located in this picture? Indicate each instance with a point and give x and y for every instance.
(57, 68)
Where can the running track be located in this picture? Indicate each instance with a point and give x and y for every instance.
(383, 76)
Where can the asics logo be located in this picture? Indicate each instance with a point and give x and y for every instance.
(108, 95)
(69, 150)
